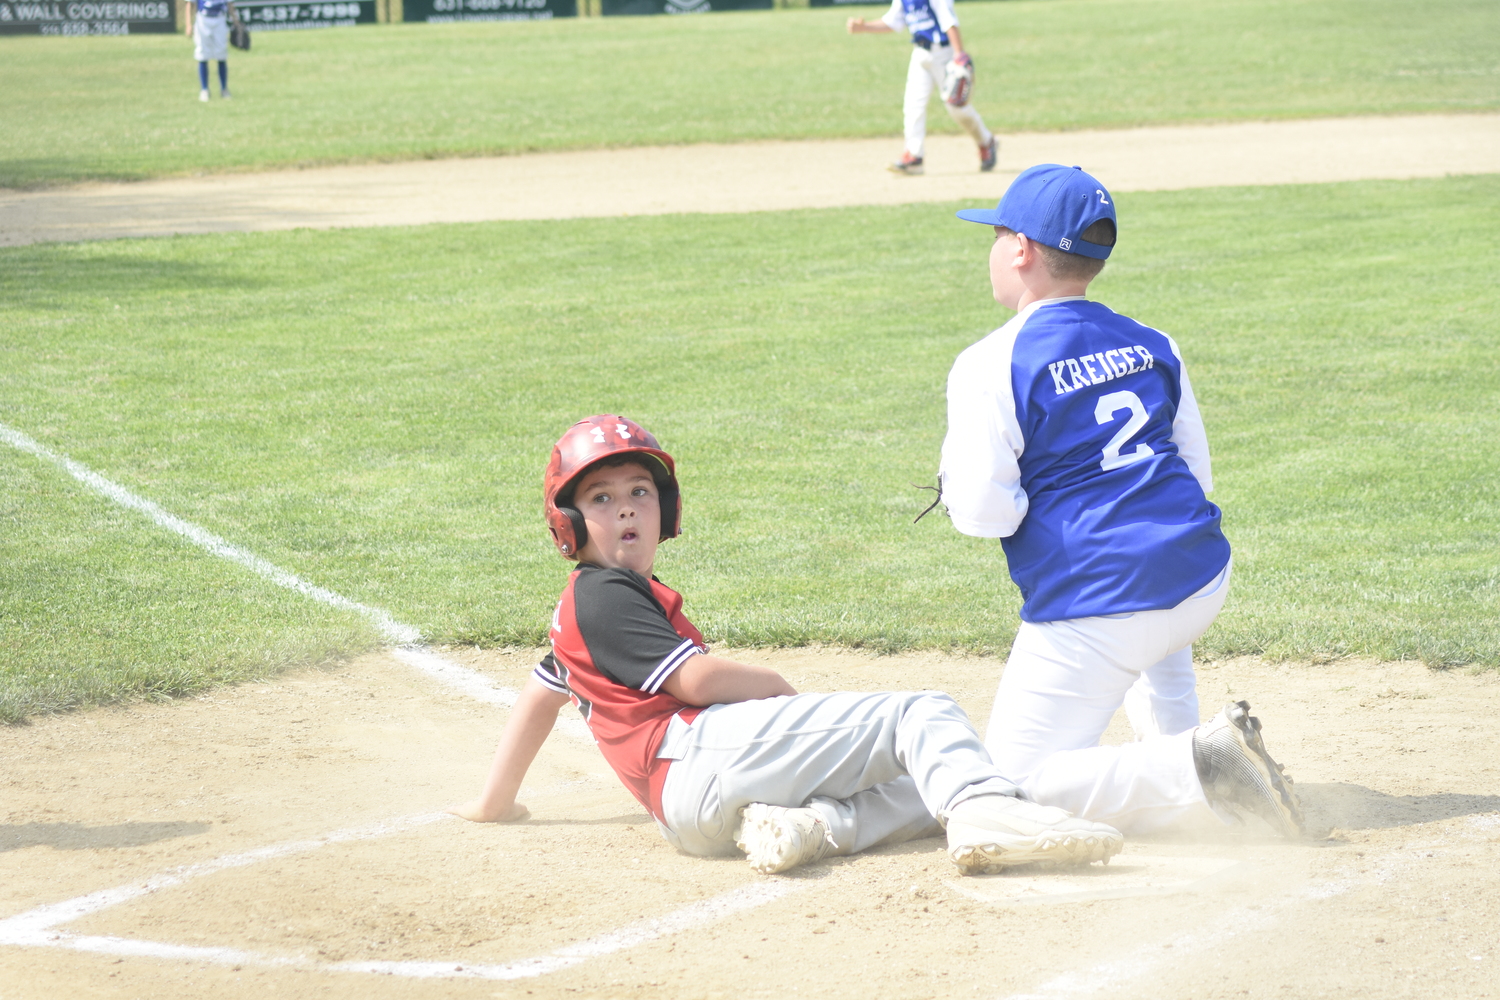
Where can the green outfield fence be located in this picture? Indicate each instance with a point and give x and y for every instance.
(133, 17)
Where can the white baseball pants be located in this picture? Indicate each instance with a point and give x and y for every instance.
(210, 37)
(1061, 686)
(879, 766)
(924, 74)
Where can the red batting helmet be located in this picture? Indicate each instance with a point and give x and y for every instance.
(584, 444)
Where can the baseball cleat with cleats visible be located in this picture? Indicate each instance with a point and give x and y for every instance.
(777, 838)
(1236, 771)
(908, 165)
(989, 155)
(989, 833)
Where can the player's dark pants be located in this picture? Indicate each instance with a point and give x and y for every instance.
(881, 767)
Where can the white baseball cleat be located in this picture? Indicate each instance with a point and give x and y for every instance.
(989, 833)
(778, 839)
(1236, 770)
(203, 95)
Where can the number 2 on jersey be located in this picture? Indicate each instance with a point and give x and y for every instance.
(1109, 404)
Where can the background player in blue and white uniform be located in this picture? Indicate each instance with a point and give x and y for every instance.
(1074, 436)
(936, 42)
(208, 23)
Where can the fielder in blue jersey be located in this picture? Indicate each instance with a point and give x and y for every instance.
(208, 25)
(1074, 437)
(937, 45)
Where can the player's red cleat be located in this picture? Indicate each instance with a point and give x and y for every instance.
(908, 164)
(989, 154)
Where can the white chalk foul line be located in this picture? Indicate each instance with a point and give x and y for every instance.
(393, 630)
(477, 686)
(463, 680)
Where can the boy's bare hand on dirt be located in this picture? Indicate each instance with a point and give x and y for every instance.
(474, 812)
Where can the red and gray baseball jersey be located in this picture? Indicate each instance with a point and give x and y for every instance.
(616, 636)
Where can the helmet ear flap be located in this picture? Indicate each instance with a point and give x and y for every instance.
(671, 509)
(569, 530)
(580, 527)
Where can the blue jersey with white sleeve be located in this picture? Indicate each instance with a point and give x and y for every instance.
(928, 20)
(213, 8)
(1074, 436)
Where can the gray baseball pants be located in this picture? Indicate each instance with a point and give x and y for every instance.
(881, 767)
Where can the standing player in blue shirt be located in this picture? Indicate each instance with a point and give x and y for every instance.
(936, 42)
(208, 23)
(1074, 437)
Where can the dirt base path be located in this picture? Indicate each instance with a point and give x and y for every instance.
(749, 177)
(283, 840)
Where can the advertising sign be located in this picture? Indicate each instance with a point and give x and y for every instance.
(283, 15)
(86, 17)
(612, 8)
(445, 11)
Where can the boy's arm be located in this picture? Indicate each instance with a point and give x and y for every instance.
(530, 722)
(947, 20)
(1188, 433)
(893, 20)
(981, 472)
(957, 41)
(712, 680)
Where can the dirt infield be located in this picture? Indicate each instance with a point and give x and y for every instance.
(749, 177)
(1395, 895)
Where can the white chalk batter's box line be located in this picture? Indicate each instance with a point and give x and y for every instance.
(38, 928)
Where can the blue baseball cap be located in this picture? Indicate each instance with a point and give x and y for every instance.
(1053, 205)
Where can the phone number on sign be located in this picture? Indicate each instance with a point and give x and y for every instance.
(87, 28)
(304, 12)
(444, 6)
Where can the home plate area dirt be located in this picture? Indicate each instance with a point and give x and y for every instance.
(286, 839)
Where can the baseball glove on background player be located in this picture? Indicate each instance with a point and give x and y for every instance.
(239, 35)
(958, 81)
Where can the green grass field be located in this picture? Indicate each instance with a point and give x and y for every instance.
(126, 108)
(372, 410)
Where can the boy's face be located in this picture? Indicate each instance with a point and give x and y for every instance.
(622, 509)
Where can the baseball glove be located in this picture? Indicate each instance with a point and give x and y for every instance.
(239, 35)
(958, 81)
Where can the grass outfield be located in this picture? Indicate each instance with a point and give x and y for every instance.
(372, 409)
(126, 108)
